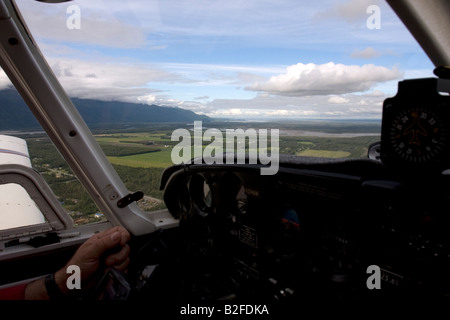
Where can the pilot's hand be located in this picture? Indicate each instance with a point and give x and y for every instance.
(105, 249)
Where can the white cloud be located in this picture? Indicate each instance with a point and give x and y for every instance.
(4, 80)
(201, 98)
(338, 100)
(367, 53)
(108, 81)
(148, 99)
(371, 53)
(363, 102)
(50, 22)
(329, 78)
(352, 11)
(231, 113)
(375, 93)
(235, 111)
(290, 113)
(367, 105)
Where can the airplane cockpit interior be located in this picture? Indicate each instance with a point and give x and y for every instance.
(280, 230)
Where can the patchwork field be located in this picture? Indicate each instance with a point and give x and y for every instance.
(323, 153)
(140, 156)
(153, 150)
(160, 159)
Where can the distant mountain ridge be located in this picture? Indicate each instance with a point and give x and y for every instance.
(15, 115)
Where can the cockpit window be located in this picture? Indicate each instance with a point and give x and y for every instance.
(138, 70)
(267, 60)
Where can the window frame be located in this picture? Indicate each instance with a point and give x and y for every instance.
(28, 70)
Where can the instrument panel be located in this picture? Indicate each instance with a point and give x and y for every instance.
(309, 232)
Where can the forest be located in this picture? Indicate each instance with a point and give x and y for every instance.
(70, 192)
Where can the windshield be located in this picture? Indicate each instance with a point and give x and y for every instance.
(137, 70)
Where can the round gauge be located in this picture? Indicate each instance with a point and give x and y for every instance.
(415, 132)
(206, 195)
(418, 135)
(201, 194)
(232, 194)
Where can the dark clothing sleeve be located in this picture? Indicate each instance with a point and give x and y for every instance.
(13, 293)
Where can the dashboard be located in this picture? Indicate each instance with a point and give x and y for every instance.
(312, 231)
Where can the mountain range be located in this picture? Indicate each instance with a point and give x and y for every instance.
(15, 115)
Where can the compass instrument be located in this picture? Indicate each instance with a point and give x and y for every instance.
(415, 132)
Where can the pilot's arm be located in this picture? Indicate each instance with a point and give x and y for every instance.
(90, 258)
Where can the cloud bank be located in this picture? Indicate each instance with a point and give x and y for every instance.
(229, 59)
(304, 90)
(329, 78)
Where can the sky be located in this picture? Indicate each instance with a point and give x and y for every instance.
(252, 59)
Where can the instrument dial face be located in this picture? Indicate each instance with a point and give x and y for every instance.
(418, 135)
